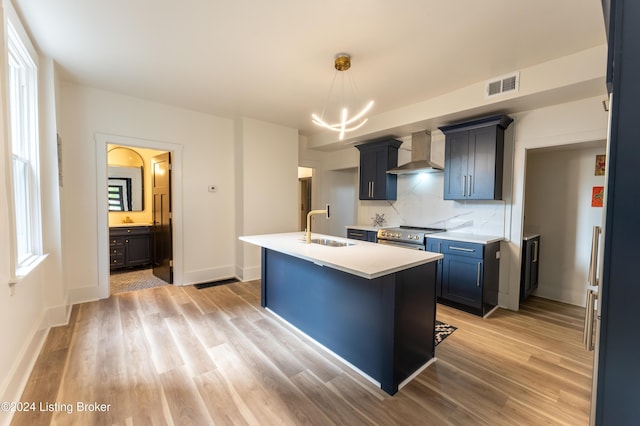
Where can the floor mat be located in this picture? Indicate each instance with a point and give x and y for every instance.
(443, 330)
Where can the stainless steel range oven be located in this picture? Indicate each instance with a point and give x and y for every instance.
(412, 237)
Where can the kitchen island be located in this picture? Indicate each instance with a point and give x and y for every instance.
(371, 305)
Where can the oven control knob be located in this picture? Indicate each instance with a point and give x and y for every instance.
(416, 237)
(410, 236)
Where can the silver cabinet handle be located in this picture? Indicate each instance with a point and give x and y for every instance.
(461, 249)
(373, 189)
(478, 276)
(464, 185)
(470, 185)
(535, 251)
(369, 189)
(357, 234)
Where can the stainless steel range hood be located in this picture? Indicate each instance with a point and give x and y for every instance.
(420, 156)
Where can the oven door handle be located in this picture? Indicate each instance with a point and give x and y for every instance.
(405, 245)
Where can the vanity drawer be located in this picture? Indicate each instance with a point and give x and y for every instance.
(117, 260)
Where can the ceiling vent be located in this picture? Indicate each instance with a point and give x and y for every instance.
(506, 84)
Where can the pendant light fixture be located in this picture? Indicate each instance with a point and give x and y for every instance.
(343, 100)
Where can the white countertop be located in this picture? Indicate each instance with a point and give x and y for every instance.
(530, 235)
(367, 260)
(129, 225)
(466, 237)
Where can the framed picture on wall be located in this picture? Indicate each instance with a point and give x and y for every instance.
(597, 196)
(601, 161)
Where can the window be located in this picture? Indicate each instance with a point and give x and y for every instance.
(23, 119)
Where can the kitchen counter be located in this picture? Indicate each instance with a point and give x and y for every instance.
(364, 259)
(467, 237)
(373, 306)
(529, 236)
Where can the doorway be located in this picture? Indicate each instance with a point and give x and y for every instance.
(105, 222)
(559, 190)
(139, 196)
(305, 176)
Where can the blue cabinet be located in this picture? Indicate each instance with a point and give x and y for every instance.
(474, 153)
(435, 245)
(530, 266)
(362, 235)
(375, 159)
(468, 274)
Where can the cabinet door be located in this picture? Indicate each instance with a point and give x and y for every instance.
(482, 167)
(535, 263)
(137, 250)
(456, 163)
(379, 188)
(435, 246)
(368, 160)
(462, 280)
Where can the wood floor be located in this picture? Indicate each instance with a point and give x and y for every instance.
(182, 356)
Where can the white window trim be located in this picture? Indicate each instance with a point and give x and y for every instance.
(19, 271)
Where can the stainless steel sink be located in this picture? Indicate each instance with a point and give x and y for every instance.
(330, 243)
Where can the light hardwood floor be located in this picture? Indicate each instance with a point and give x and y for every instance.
(182, 356)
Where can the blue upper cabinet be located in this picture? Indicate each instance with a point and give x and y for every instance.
(474, 152)
(375, 159)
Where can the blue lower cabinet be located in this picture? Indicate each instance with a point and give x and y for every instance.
(362, 235)
(383, 326)
(469, 274)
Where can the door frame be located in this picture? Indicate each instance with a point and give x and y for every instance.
(102, 140)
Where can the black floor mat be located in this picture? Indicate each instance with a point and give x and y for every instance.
(443, 330)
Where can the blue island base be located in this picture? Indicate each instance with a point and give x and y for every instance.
(383, 326)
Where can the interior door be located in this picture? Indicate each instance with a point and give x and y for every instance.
(162, 232)
(305, 201)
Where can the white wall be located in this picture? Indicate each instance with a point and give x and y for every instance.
(207, 152)
(558, 207)
(267, 187)
(38, 300)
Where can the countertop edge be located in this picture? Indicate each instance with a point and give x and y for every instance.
(433, 257)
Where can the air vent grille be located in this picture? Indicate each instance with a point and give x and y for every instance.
(505, 84)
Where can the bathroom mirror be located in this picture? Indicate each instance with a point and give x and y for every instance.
(126, 180)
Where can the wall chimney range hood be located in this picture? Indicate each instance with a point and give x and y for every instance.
(420, 156)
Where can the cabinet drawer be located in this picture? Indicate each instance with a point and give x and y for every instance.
(116, 250)
(363, 235)
(117, 241)
(124, 231)
(460, 248)
(117, 260)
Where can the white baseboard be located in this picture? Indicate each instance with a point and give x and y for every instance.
(249, 274)
(84, 294)
(20, 372)
(207, 275)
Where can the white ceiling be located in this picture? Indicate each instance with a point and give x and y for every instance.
(273, 60)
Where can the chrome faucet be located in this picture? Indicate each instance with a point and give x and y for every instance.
(312, 212)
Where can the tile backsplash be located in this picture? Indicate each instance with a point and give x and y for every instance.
(420, 203)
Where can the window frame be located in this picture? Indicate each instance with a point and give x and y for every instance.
(21, 82)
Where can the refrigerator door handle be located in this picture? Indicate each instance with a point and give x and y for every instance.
(593, 263)
(587, 336)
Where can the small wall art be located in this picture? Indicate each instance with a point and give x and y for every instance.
(601, 161)
(597, 196)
